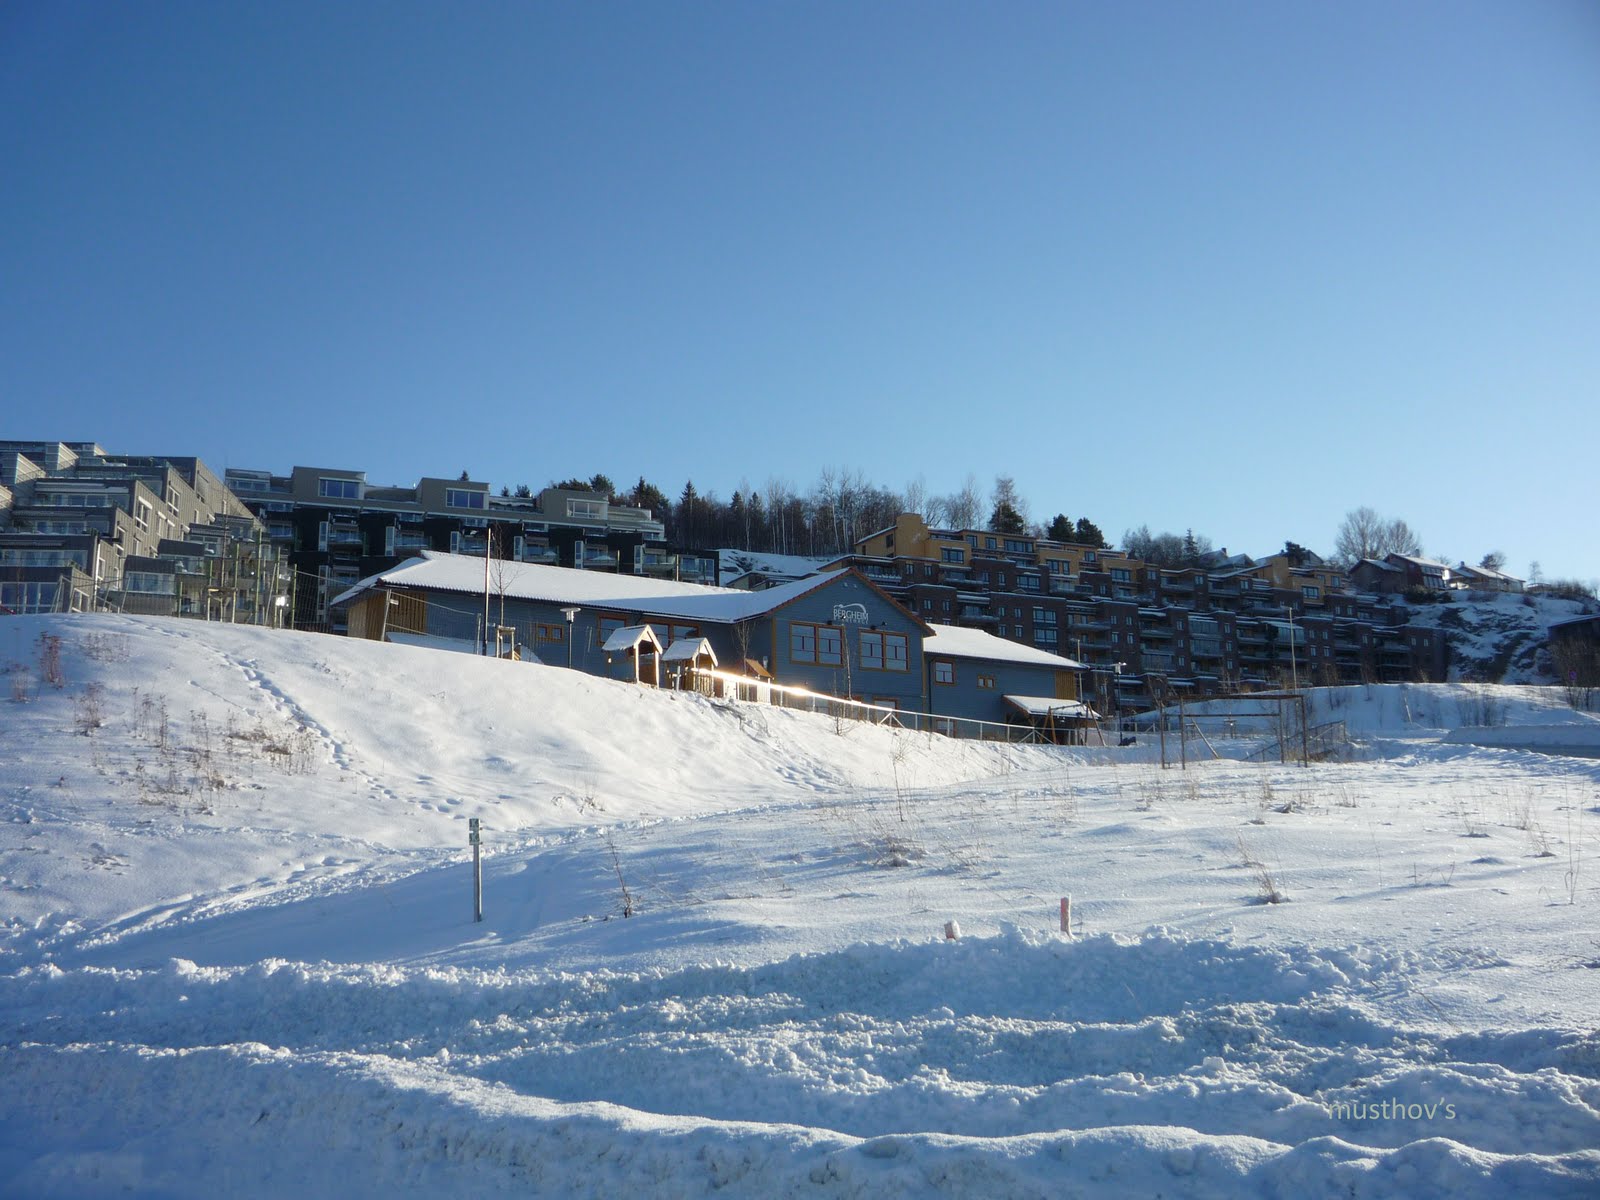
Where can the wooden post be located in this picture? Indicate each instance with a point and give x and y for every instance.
(1066, 915)
(1183, 736)
(1305, 746)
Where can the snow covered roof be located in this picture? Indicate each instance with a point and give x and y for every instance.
(1048, 706)
(690, 650)
(956, 641)
(631, 637)
(594, 589)
(524, 581)
(1378, 563)
(1485, 573)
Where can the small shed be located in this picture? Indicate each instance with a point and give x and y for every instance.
(1056, 720)
(640, 644)
(688, 654)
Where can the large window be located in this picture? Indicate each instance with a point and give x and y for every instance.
(462, 498)
(820, 644)
(151, 581)
(28, 597)
(951, 555)
(885, 652)
(339, 489)
(591, 510)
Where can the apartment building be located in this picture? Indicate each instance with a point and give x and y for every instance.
(337, 528)
(81, 527)
(1142, 629)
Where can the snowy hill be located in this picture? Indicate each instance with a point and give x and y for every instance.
(238, 955)
(1498, 638)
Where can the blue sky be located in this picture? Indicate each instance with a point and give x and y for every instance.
(1235, 267)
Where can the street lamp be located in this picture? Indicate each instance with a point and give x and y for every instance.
(1294, 667)
(570, 614)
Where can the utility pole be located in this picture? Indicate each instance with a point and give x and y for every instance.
(1294, 667)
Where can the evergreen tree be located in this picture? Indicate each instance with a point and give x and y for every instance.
(1191, 549)
(1061, 529)
(1008, 515)
(1088, 534)
(1006, 519)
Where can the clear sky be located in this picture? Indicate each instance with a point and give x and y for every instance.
(1238, 267)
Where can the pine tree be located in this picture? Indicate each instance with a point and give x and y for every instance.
(1088, 534)
(1061, 529)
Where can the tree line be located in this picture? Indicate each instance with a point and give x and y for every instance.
(839, 509)
(843, 506)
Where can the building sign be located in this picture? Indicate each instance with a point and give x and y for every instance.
(849, 614)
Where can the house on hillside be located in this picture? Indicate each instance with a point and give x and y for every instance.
(1422, 574)
(1375, 576)
(1486, 579)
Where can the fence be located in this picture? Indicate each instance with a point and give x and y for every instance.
(724, 685)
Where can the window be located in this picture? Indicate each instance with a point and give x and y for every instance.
(150, 581)
(986, 682)
(1311, 593)
(884, 652)
(1121, 574)
(944, 672)
(952, 555)
(591, 510)
(609, 625)
(1088, 556)
(1013, 546)
(1046, 637)
(547, 634)
(821, 644)
(872, 651)
(339, 489)
(830, 646)
(461, 498)
(1043, 616)
(28, 597)
(990, 543)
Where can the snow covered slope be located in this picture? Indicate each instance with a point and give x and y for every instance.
(239, 959)
(1498, 638)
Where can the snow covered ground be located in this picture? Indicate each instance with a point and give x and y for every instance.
(238, 957)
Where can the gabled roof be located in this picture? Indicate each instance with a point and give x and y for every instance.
(690, 650)
(957, 641)
(436, 571)
(1427, 564)
(1378, 563)
(631, 637)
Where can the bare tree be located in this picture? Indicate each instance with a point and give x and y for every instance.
(964, 508)
(1365, 534)
(915, 498)
(1495, 560)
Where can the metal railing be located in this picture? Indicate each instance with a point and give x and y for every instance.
(724, 685)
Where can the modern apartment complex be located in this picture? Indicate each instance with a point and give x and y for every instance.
(1144, 630)
(82, 528)
(337, 528)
